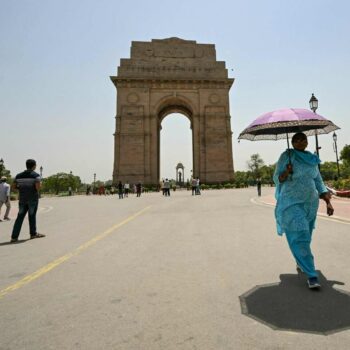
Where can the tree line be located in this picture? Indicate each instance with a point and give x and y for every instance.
(329, 171)
(257, 169)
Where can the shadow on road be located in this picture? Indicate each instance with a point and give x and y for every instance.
(290, 305)
(18, 242)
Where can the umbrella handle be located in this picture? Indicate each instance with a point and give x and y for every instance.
(289, 156)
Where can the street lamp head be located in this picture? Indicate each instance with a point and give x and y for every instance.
(313, 103)
(335, 137)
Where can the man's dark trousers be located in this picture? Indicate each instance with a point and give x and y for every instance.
(31, 207)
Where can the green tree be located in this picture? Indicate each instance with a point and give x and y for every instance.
(267, 172)
(108, 183)
(329, 171)
(254, 164)
(344, 171)
(98, 183)
(345, 155)
(60, 182)
(3, 170)
(240, 179)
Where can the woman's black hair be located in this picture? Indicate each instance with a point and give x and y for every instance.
(298, 136)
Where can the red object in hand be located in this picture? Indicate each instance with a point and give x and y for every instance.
(343, 193)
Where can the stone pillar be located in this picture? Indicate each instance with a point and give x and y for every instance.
(196, 148)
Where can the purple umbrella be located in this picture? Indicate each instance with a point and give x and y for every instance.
(278, 124)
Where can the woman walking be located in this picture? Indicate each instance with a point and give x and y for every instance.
(298, 188)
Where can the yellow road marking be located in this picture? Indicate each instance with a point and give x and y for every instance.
(45, 269)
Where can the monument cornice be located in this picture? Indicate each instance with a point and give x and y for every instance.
(130, 133)
(154, 82)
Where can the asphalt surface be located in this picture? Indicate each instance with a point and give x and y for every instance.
(185, 272)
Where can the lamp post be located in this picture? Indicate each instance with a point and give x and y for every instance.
(94, 180)
(335, 138)
(313, 106)
(1, 166)
(70, 192)
(41, 177)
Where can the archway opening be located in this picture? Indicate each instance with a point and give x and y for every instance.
(176, 146)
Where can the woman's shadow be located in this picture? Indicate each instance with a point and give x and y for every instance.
(14, 243)
(290, 305)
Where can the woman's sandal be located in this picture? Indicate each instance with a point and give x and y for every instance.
(37, 235)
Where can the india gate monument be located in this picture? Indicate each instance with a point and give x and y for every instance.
(172, 76)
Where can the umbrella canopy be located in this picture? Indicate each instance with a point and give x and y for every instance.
(278, 124)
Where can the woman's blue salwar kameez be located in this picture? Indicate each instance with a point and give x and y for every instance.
(297, 204)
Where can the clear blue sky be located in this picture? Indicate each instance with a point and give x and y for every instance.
(57, 103)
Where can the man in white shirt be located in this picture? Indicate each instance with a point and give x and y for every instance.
(5, 197)
(126, 189)
(167, 187)
(194, 186)
(198, 186)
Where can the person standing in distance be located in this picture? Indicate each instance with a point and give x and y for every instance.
(120, 190)
(198, 187)
(126, 189)
(258, 186)
(5, 197)
(138, 189)
(194, 186)
(28, 184)
(167, 187)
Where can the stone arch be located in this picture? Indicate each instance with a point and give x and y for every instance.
(180, 176)
(175, 104)
(168, 76)
(170, 106)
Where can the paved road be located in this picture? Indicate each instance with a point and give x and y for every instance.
(162, 273)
